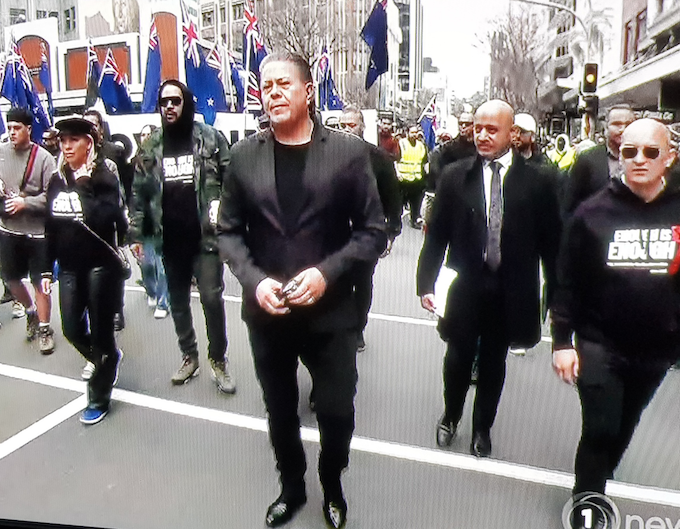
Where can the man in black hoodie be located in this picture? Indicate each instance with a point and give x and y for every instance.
(619, 291)
(176, 198)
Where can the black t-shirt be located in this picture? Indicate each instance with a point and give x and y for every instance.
(181, 224)
(289, 168)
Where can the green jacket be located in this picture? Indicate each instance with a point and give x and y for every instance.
(211, 161)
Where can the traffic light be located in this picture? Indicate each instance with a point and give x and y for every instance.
(589, 78)
(592, 105)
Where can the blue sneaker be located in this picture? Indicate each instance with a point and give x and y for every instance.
(92, 415)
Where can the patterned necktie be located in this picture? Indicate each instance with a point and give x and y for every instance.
(493, 233)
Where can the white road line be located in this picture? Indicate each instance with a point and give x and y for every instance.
(42, 426)
(371, 315)
(418, 454)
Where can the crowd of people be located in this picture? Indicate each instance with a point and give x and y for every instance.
(301, 213)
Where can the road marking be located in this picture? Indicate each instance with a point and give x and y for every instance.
(42, 426)
(371, 315)
(418, 454)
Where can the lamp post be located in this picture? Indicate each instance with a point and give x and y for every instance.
(590, 115)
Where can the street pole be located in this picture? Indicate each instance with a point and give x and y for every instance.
(590, 119)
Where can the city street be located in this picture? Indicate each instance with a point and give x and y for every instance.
(190, 457)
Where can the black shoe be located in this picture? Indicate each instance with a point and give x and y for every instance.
(481, 444)
(335, 512)
(446, 431)
(283, 510)
(118, 322)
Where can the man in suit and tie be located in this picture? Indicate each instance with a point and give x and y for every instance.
(300, 211)
(593, 168)
(498, 216)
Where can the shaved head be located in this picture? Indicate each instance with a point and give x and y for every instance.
(493, 128)
(645, 156)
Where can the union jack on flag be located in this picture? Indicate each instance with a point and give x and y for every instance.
(428, 122)
(153, 35)
(214, 60)
(189, 37)
(252, 28)
(111, 68)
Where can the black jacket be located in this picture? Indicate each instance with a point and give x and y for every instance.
(588, 175)
(100, 198)
(341, 225)
(388, 188)
(614, 282)
(446, 154)
(530, 232)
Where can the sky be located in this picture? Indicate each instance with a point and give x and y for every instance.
(451, 30)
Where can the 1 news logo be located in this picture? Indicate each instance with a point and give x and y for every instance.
(590, 510)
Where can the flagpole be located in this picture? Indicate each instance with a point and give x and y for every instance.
(247, 88)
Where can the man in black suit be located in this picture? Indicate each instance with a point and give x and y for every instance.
(593, 168)
(498, 216)
(352, 121)
(299, 211)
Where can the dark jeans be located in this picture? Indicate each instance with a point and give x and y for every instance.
(363, 291)
(490, 344)
(331, 361)
(412, 193)
(88, 301)
(614, 392)
(208, 271)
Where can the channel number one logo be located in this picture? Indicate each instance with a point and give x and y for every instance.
(590, 510)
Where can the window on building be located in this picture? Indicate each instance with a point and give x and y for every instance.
(16, 15)
(223, 15)
(40, 13)
(53, 14)
(562, 51)
(208, 19)
(239, 11)
(70, 19)
(642, 24)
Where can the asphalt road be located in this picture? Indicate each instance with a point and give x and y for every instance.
(190, 457)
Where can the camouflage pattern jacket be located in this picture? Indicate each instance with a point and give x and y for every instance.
(211, 160)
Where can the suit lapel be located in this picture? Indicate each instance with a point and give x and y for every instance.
(265, 167)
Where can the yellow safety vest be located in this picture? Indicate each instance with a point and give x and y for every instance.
(410, 165)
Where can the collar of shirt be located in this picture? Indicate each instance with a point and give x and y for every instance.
(504, 163)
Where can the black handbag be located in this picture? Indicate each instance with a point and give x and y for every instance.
(119, 253)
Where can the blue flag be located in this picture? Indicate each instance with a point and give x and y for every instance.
(113, 88)
(328, 94)
(428, 122)
(94, 73)
(375, 35)
(237, 77)
(152, 79)
(254, 53)
(203, 74)
(18, 88)
(46, 79)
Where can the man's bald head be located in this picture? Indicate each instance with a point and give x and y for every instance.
(645, 155)
(493, 125)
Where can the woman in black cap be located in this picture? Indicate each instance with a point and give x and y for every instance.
(85, 220)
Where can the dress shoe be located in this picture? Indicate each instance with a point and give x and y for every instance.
(335, 512)
(283, 510)
(481, 444)
(446, 431)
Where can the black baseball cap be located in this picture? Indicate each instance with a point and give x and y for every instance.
(75, 126)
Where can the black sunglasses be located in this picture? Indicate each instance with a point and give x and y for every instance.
(651, 153)
(175, 100)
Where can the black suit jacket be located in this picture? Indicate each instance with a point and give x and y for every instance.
(589, 174)
(341, 224)
(530, 233)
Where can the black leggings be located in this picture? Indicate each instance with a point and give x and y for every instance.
(88, 300)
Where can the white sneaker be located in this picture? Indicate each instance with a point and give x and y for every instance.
(160, 313)
(151, 302)
(88, 371)
(18, 310)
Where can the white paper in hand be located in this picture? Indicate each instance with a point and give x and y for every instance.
(442, 286)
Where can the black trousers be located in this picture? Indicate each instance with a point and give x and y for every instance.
(491, 342)
(363, 291)
(331, 361)
(614, 392)
(412, 194)
(88, 300)
(208, 271)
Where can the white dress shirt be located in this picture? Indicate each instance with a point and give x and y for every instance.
(504, 163)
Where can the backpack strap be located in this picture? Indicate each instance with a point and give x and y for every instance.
(29, 166)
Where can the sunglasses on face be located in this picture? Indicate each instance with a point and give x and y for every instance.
(175, 101)
(651, 153)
